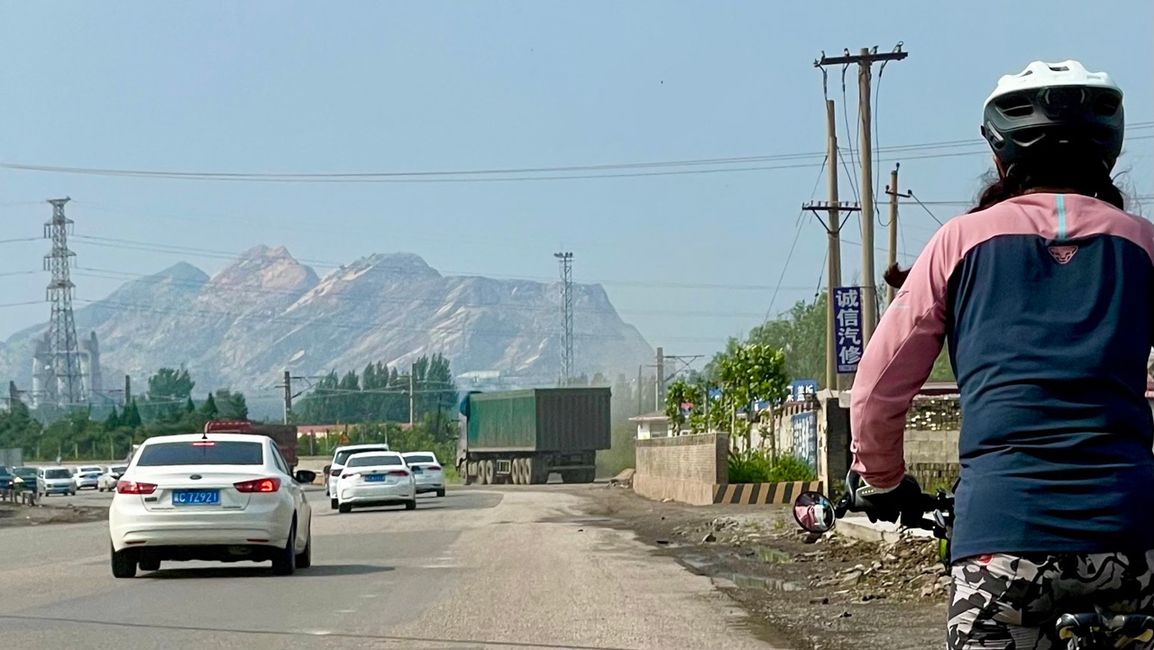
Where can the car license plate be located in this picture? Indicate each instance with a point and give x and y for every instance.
(195, 497)
(375, 478)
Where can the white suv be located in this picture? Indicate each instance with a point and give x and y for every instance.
(216, 496)
(340, 457)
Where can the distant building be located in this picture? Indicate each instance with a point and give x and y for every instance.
(47, 388)
(651, 425)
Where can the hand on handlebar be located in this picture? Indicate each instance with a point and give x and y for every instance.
(904, 501)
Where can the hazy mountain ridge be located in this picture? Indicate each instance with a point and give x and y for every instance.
(266, 311)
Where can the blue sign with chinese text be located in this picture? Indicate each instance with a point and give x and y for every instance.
(847, 322)
(801, 390)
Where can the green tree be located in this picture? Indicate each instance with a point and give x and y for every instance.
(677, 394)
(189, 407)
(209, 410)
(112, 422)
(231, 406)
(801, 336)
(751, 373)
(131, 417)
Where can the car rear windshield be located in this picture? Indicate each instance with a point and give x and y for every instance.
(216, 452)
(57, 473)
(420, 458)
(343, 456)
(372, 461)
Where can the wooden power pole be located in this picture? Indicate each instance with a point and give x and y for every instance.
(865, 60)
(892, 191)
(832, 224)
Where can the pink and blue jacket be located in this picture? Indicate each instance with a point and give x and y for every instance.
(1047, 303)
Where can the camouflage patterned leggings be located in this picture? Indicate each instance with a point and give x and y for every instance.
(1010, 602)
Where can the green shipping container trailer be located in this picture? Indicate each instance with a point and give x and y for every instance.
(522, 436)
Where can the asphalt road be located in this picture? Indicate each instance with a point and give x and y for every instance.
(513, 567)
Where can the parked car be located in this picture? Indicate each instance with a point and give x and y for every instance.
(375, 478)
(87, 469)
(107, 481)
(24, 478)
(84, 480)
(426, 471)
(6, 477)
(333, 470)
(54, 480)
(217, 496)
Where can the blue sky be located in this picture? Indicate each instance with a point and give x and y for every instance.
(264, 86)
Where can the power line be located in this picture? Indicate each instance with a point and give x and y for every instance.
(518, 173)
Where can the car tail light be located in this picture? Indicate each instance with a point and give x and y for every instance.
(434, 468)
(258, 485)
(398, 472)
(132, 487)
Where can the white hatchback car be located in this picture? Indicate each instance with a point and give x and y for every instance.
(426, 471)
(340, 456)
(217, 496)
(376, 478)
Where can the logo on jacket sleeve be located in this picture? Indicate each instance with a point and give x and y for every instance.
(1063, 254)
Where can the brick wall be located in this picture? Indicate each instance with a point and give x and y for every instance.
(683, 468)
(931, 447)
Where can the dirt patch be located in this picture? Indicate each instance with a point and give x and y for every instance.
(819, 592)
(14, 515)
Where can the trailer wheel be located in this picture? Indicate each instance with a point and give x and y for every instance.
(488, 472)
(532, 469)
(518, 471)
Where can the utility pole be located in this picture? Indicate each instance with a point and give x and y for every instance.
(288, 395)
(412, 396)
(565, 260)
(640, 392)
(865, 60)
(127, 389)
(659, 388)
(833, 223)
(892, 190)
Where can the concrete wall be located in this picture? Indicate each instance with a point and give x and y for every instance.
(682, 468)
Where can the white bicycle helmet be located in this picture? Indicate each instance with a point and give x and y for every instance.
(1054, 110)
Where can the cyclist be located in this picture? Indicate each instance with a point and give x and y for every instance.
(1045, 294)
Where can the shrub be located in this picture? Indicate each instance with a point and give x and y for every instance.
(757, 466)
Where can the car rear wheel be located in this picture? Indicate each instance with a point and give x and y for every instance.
(411, 504)
(345, 508)
(333, 503)
(284, 562)
(123, 563)
(149, 563)
(305, 557)
(441, 492)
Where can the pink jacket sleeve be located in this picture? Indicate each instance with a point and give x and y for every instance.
(897, 362)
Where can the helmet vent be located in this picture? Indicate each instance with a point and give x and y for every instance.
(1107, 104)
(1015, 106)
(1059, 68)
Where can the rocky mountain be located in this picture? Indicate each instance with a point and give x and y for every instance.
(266, 312)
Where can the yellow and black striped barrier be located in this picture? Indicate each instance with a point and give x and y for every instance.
(762, 493)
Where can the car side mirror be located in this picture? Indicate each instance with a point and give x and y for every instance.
(305, 476)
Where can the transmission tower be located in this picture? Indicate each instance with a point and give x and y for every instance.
(565, 260)
(63, 347)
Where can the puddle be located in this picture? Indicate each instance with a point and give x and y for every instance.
(762, 582)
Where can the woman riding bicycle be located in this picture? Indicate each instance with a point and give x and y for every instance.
(1045, 294)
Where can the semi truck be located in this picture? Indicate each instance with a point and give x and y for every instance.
(522, 436)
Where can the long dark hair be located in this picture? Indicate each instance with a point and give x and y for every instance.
(1090, 179)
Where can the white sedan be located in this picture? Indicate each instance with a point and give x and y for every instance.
(427, 471)
(216, 496)
(376, 478)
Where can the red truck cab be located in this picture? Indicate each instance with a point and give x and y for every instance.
(285, 435)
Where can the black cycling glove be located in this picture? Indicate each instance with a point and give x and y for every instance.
(886, 504)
